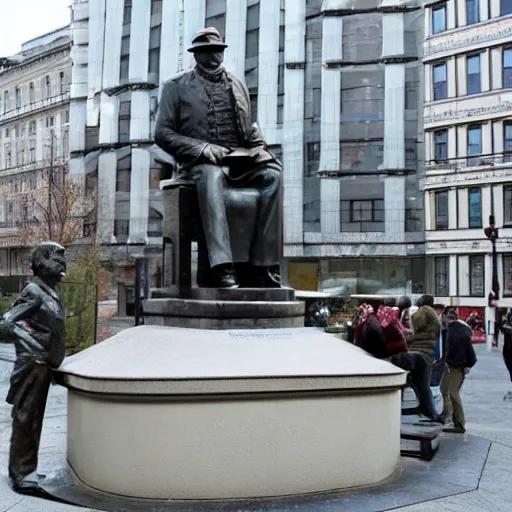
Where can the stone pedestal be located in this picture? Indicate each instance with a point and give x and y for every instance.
(188, 414)
(215, 308)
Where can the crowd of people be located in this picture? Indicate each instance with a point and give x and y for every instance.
(409, 337)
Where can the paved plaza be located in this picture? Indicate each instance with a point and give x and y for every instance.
(488, 417)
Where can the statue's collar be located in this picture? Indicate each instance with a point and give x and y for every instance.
(46, 288)
(214, 77)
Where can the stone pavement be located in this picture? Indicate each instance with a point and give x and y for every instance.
(487, 415)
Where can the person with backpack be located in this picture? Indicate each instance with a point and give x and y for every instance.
(460, 357)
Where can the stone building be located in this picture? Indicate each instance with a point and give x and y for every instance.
(34, 124)
(336, 91)
(468, 143)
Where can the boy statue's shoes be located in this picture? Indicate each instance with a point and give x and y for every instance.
(454, 430)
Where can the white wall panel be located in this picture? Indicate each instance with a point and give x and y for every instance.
(452, 209)
(236, 21)
(109, 126)
(394, 116)
(170, 39)
(139, 41)
(107, 174)
(139, 120)
(463, 276)
(194, 19)
(139, 195)
(112, 50)
(78, 119)
(392, 34)
(394, 204)
(463, 208)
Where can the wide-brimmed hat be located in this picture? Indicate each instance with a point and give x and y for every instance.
(206, 40)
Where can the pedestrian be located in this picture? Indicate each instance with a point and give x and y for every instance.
(460, 357)
(368, 334)
(392, 329)
(507, 348)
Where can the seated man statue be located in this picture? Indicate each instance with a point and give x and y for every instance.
(204, 122)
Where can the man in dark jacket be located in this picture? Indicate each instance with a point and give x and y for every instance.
(460, 357)
(35, 324)
(507, 348)
(204, 122)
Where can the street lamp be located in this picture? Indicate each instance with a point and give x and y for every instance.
(491, 232)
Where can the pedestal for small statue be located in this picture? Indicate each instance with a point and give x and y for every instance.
(218, 308)
(191, 414)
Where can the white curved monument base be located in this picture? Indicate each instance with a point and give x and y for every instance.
(164, 413)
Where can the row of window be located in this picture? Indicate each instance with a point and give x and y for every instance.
(474, 208)
(473, 140)
(472, 8)
(473, 74)
(26, 98)
(476, 276)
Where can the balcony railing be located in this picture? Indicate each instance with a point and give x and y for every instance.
(455, 164)
(35, 106)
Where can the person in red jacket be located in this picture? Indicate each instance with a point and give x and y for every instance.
(392, 329)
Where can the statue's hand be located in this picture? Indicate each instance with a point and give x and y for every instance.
(215, 153)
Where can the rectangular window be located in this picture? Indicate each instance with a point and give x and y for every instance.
(476, 276)
(473, 11)
(507, 66)
(507, 137)
(371, 210)
(441, 145)
(48, 86)
(475, 209)
(507, 275)
(124, 121)
(62, 82)
(124, 72)
(439, 19)
(507, 205)
(474, 74)
(32, 92)
(474, 143)
(7, 105)
(441, 276)
(442, 210)
(154, 54)
(17, 95)
(312, 157)
(506, 7)
(440, 82)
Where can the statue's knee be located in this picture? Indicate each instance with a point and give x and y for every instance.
(272, 177)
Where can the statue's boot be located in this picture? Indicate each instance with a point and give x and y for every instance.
(28, 484)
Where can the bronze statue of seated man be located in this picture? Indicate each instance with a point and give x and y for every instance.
(204, 122)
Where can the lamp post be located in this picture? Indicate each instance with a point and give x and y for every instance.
(491, 232)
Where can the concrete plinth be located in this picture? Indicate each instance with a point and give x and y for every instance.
(163, 413)
(211, 308)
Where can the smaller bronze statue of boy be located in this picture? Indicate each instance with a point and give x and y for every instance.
(36, 325)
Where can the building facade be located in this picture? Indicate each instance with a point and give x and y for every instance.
(468, 143)
(34, 125)
(336, 91)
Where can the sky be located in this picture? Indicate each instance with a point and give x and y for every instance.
(22, 20)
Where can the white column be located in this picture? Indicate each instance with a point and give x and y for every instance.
(139, 41)
(461, 13)
(497, 67)
(429, 146)
(462, 141)
(95, 48)
(486, 204)
(107, 173)
(484, 70)
(139, 116)
(428, 82)
(484, 9)
(330, 124)
(57, 130)
(268, 64)
(497, 129)
(112, 51)
(170, 39)
(487, 138)
(462, 76)
(109, 125)
(451, 76)
(464, 276)
(139, 196)
(428, 213)
(293, 122)
(194, 19)
(392, 34)
(236, 20)
(452, 280)
(498, 206)
(450, 14)
(495, 8)
(452, 142)
(428, 21)
(78, 119)
(394, 204)
(452, 209)
(463, 208)
(394, 117)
